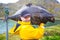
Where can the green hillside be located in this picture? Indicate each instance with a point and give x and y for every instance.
(51, 5)
(52, 30)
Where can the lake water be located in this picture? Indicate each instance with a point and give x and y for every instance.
(11, 24)
(3, 25)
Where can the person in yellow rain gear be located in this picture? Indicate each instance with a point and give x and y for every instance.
(25, 30)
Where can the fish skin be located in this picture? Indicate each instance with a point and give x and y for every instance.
(38, 14)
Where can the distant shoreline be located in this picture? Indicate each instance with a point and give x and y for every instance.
(2, 18)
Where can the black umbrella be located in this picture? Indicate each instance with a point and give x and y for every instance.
(38, 14)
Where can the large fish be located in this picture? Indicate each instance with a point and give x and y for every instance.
(38, 14)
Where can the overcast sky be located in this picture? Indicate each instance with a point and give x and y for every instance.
(58, 1)
(8, 1)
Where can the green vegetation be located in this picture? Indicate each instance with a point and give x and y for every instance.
(51, 5)
(51, 38)
(2, 37)
(52, 32)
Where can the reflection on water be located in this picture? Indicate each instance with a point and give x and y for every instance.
(3, 25)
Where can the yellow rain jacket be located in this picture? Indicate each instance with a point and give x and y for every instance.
(27, 31)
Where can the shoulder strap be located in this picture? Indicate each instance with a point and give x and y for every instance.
(17, 25)
(35, 26)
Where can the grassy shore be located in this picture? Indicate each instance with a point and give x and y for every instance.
(51, 33)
